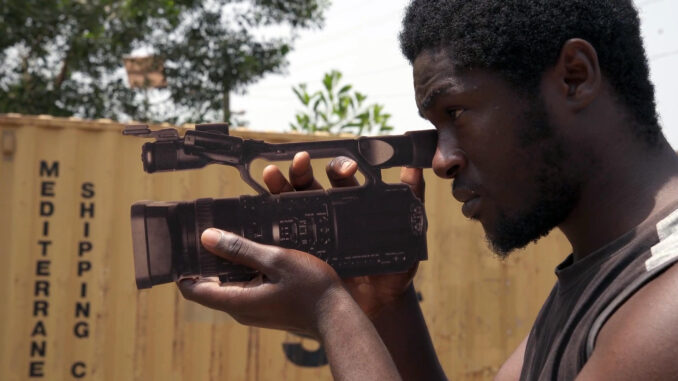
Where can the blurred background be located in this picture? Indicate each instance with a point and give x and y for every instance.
(241, 61)
(360, 39)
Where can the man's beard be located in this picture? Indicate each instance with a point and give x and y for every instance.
(557, 192)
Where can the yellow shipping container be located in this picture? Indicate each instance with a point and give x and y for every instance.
(71, 309)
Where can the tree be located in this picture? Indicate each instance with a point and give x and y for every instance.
(335, 109)
(64, 57)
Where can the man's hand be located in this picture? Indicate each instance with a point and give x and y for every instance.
(294, 291)
(298, 292)
(389, 300)
(374, 292)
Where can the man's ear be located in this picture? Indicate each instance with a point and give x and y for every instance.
(578, 73)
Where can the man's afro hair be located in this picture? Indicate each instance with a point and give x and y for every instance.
(520, 39)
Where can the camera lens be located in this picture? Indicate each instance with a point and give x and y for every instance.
(166, 239)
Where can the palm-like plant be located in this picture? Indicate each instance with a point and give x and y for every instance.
(336, 109)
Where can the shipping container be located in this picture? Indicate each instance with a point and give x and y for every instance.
(72, 310)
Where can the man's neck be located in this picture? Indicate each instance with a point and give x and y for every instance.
(627, 189)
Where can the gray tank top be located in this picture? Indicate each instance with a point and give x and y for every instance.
(588, 292)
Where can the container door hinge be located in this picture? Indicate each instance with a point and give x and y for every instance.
(8, 143)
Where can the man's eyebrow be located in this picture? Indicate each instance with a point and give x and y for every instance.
(432, 96)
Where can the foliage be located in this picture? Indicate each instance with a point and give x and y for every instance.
(336, 109)
(64, 57)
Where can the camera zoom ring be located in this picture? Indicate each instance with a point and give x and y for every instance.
(204, 219)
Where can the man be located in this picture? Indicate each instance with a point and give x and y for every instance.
(546, 118)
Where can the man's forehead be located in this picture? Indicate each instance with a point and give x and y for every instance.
(434, 73)
(432, 64)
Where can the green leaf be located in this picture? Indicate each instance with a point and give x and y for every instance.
(324, 117)
(302, 95)
(321, 99)
(328, 82)
(345, 89)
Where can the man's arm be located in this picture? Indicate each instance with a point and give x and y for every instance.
(353, 347)
(640, 340)
(389, 300)
(513, 366)
(298, 292)
(402, 327)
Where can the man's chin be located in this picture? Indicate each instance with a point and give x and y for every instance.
(503, 248)
(514, 238)
(505, 241)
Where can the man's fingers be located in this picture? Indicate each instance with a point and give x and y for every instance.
(242, 251)
(341, 172)
(205, 291)
(414, 177)
(301, 173)
(276, 181)
(213, 294)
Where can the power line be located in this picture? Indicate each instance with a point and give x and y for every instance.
(351, 30)
(409, 96)
(663, 55)
(346, 75)
(648, 2)
(352, 7)
(339, 54)
(293, 99)
(377, 71)
(382, 70)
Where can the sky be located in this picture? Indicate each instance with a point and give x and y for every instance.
(360, 39)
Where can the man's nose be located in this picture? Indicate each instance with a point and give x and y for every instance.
(448, 162)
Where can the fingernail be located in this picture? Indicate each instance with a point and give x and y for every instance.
(211, 237)
(345, 165)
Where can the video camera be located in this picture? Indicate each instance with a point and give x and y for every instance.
(370, 229)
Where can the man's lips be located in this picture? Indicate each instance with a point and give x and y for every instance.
(463, 194)
(471, 208)
(470, 199)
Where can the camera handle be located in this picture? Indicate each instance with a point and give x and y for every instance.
(212, 144)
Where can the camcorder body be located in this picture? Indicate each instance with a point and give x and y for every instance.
(370, 229)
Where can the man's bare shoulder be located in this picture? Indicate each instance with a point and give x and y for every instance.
(511, 369)
(640, 340)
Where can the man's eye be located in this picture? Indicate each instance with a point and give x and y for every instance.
(455, 113)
